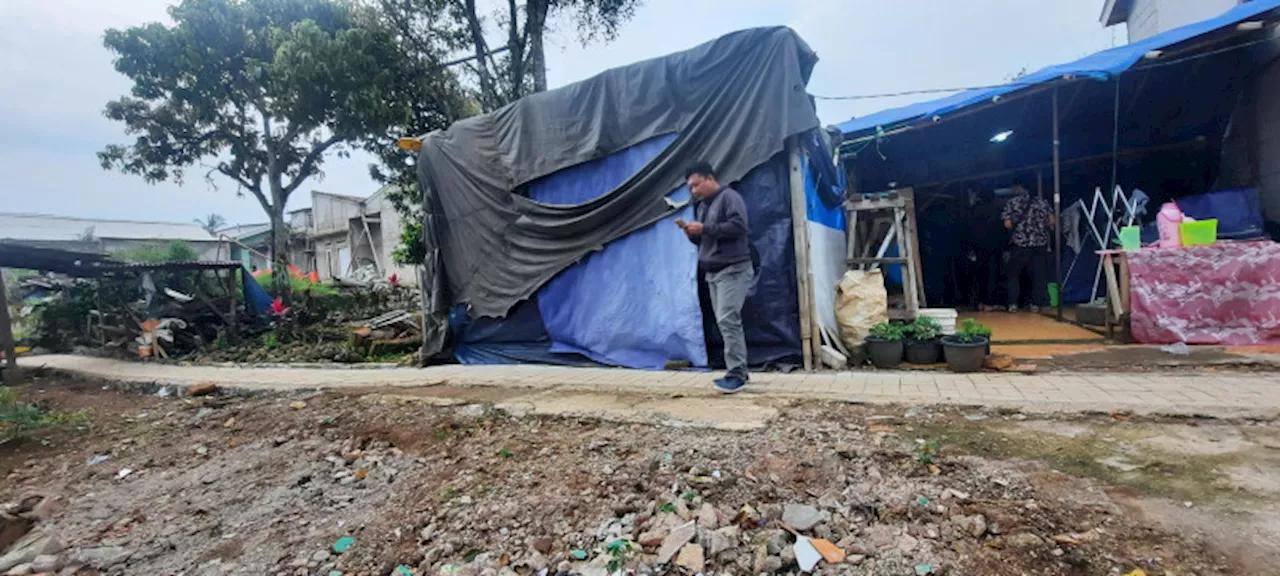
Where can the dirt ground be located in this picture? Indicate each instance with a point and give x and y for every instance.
(144, 484)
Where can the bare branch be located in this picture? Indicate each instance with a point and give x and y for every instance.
(308, 164)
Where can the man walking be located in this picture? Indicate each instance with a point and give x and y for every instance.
(724, 258)
(1029, 219)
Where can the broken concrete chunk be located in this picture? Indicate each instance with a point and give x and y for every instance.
(801, 517)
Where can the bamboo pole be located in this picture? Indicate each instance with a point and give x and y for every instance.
(800, 236)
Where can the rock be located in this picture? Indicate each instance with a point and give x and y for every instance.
(975, 525)
(768, 565)
(675, 541)
(202, 389)
(20, 570)
(775, 541)
(28, 547)
(692, 558)
(543, 545)
(907, 543)
(682, 509)
(320, 556)
(46, 563)
(652, 538)
(102, 557)
(855, 559)
(1023, 540)
(707, 517)
(801, 517)
(721, 540)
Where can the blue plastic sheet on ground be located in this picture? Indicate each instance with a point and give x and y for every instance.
(634, 303)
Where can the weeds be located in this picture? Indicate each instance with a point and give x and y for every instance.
(927, 452)
(619, 555)
(18, 417)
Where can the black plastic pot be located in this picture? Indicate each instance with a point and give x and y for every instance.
(923, 351)
(884, 353)
(964, 356)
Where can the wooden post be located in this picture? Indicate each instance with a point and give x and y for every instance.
(912, 239)
(1057, 208)
(800, 236)
(11, 373)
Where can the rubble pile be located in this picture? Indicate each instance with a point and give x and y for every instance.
(333, 485)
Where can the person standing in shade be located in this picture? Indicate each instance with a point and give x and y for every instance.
(1029, 221)
(725, 260)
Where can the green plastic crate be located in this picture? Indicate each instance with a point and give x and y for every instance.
(1200, 232)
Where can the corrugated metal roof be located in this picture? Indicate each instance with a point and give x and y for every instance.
(61, 228)
(242, 231)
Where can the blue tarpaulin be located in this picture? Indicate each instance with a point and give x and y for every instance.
(1101, 65)
(636, 303)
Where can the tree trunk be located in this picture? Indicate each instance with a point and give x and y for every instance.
(280, 253)
(535, 21)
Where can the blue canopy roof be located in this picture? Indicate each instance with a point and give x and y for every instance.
(1101, 65)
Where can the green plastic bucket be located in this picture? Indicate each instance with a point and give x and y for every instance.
(1053, 294)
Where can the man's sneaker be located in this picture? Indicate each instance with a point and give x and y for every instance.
(730, 384)
(1013, 308)
(1035, 309)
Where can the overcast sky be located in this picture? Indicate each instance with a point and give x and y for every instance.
(55, 77)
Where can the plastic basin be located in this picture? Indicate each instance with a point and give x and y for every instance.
(1200, 232)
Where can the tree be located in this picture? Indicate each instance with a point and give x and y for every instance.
(502, 70)
(264, 90)
(519, 67)
(212, 223)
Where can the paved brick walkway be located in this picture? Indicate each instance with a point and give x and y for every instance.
(1214, 394)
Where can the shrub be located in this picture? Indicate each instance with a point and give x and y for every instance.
(970, 330)
(924, 328)
(887, 331)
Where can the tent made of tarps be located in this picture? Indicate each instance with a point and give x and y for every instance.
(1158, 115)
(550, 222)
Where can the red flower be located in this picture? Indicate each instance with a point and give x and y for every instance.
(278, 308)
(395, 280)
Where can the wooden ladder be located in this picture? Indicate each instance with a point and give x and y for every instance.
(874, 221)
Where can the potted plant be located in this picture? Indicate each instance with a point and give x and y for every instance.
(967, 349)
(922, 341)
(884, 345)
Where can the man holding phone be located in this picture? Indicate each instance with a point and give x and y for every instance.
(725, 259)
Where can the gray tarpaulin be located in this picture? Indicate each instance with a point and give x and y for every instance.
(732, 102)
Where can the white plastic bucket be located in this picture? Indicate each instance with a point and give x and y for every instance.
(945, 316)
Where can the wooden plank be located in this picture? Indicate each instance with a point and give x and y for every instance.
(800, 237)
(886, 260)
(913, 243)
(11, 372)
(1113, 289)
(852, 233)
(875, 204)
(908, 284)
(1124, 283)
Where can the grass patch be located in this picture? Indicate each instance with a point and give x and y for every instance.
(1181, 477)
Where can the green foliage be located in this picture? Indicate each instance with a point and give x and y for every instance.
(927, 451)
(174, 251)
(505, 453)
(296, 285)
(17, 417)
(970, 330)
(619, 554)
(924, 328)
(411, 250)
(270, 341)
(667, 507)
(212, 223)
(887, 331)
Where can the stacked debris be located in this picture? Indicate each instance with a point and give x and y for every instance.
(394, 332)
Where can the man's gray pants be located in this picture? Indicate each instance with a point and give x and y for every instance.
(729, 288)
